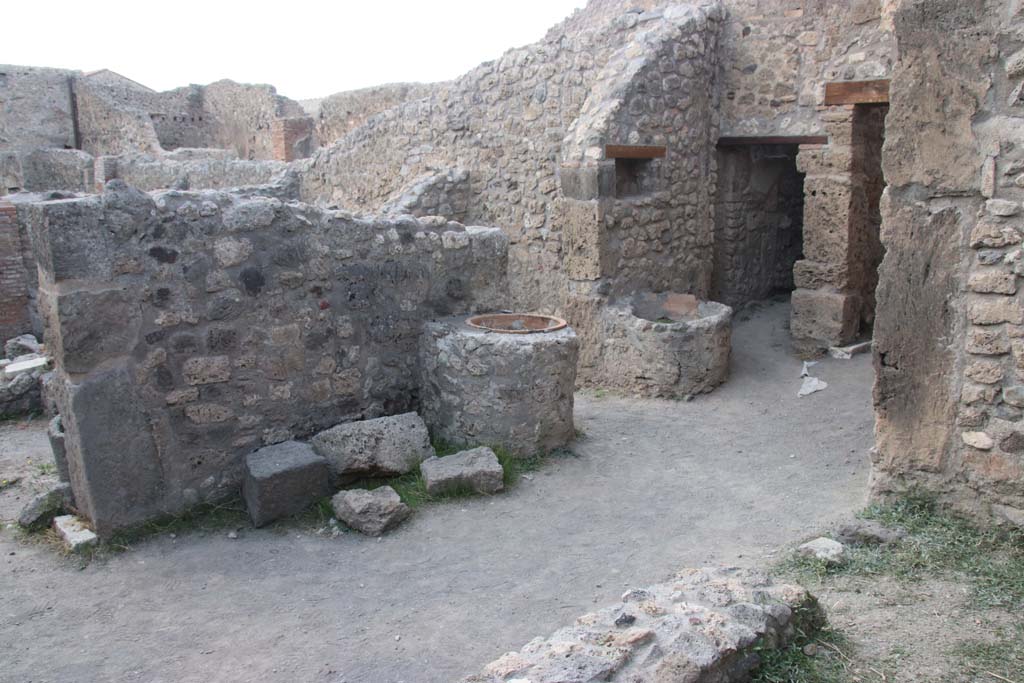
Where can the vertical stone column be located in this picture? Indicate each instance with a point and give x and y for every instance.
(14, 318)
(826, 304)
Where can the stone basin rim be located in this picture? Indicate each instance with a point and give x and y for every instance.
(504, 323)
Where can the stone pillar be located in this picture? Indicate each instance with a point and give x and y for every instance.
(14, 318)
(826, 304)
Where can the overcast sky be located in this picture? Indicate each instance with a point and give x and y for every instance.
(305, 48)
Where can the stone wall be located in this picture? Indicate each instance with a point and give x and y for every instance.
(242, 116)
(758, 222)
(14, 319)
(778, 54)
(340, 113)
(948, 349)
(189, 329)
(188, 169)
(35, 108)
(508, 124)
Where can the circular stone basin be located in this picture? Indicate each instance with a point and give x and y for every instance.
(516, 323)
(665, 344)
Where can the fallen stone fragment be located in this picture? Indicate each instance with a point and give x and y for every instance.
(41, 510)
(867, 532)
(283, 480)
(371, 512)
(21, 345)
(382, 447)
(824, 549)
(75, 534)
(476, 470)
(706, 626)
(848, 352)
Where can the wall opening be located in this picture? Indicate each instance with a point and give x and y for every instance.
(868, 183)
(635, 177)
(759, 207)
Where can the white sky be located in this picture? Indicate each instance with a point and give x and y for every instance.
(303, 47)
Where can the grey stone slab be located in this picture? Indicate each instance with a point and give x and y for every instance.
(283, 480)
(382, 447)
(371, 512)
(41, 510)
(476, 470)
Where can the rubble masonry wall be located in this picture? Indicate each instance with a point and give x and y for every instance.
(190, 329)
(949, 332)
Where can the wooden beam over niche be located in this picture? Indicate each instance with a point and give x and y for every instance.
(857, 92)
(773, 140)
(634, 151)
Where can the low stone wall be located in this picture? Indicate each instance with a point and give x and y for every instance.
(189, 169)
(191, 328)
(705, 626)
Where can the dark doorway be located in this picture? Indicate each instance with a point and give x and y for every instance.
(759, 210)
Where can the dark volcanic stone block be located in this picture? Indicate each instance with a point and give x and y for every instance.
(283, 480)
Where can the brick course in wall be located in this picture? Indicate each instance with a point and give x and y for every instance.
(13, 290)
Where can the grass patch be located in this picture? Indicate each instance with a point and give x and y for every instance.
(938, 543)
(827, 660)
(207, 517)
(1003, 657)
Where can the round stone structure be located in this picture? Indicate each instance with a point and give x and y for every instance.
(665, 345)
(506, 380)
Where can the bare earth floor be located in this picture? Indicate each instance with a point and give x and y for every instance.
(654, 486)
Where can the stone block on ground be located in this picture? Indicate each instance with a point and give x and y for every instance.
(41, 510)
(705, 626)
(283, 480)
(824, 549)
(371, 512)
(20, 395)
(382, 447)
(476, 470)
(21, 345)
(74, 532)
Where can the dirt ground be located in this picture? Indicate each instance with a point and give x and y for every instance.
(654, 486)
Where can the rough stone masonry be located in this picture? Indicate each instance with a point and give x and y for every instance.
(190, 329)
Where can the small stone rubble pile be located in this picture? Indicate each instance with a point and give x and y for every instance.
(286, 478)
(21, 369)
(705, 626)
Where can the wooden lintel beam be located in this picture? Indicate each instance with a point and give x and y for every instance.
(773, 140)
(634, 151)
(857, 92)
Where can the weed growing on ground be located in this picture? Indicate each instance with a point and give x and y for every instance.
(822, 657)
(938, 543)
(1002, 659)
(208, 517)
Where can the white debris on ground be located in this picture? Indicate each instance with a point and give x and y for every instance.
(810, 384)
(848, 352)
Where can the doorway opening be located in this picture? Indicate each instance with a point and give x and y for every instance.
(759, 208)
